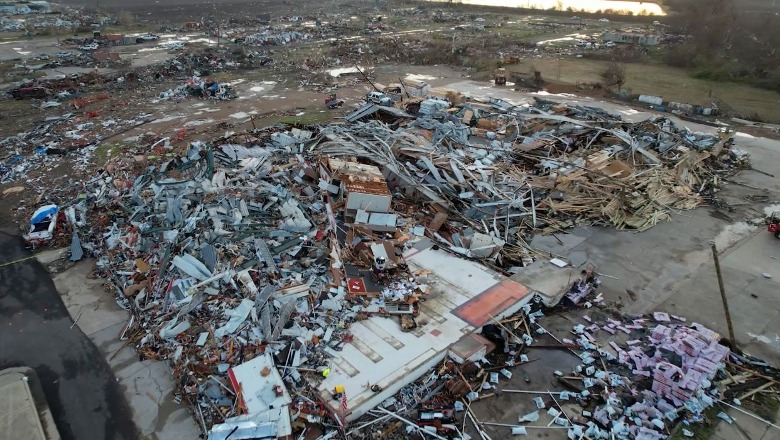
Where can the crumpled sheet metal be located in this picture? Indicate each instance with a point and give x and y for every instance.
(545, 168)
(196, 249)
(221, 230)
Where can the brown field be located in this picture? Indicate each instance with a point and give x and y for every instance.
(668, 82)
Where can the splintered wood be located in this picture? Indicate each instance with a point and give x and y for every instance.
(491, 173)
(629, 196)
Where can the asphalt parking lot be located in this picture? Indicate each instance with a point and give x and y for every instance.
(37, 332)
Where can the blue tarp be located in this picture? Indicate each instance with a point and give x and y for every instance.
(43, 213)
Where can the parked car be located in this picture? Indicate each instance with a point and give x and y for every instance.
(380, 99)
(88, 47)
(64, 54)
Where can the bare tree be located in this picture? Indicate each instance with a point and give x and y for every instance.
(711, 23)
(614, 75)
(126, 18)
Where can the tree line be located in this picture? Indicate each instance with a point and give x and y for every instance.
(729, 41)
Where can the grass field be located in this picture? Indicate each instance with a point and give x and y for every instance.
(671, 83)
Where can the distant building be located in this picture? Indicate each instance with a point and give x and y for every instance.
(115, 39)
(631, 38)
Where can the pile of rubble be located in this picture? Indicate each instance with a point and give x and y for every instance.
(43, 147)
(679, 362)
(200, 88)
(196, 63)
(495, 172)
(217, 254)
(8, 24)
(243, 258)
(271, 38)
(72, 138)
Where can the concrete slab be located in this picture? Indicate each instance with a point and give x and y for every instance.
(752, 303)
(559, 243)
(18, 414)
(759, 255)
(122, 359)
(87, 298)
(506, 407)
(150, 393)
(381, 353)
(176, 424)
(147, 385)
(578, 258)
(744, 427)
(51, 255)
(547, 279)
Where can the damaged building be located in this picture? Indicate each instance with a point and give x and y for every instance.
(299, 278)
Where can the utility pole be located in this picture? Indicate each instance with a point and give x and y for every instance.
(723, 294)
(367, 79)
(453, 42)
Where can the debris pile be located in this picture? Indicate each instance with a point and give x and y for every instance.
(677, 361)
(498, 171)
(229, 253)
(200, 88)
(653, 372)
(270, 38)
(214, 254)
(28, 24)
(80, 111)
(259, 250)
(72, 137)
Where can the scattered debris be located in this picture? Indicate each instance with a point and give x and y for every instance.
(197, 87)
(244, 261)
(247, 261)
(43, 224)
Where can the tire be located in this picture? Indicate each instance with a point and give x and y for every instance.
(777, 234)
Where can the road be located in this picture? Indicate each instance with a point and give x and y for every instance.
(83, 394)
